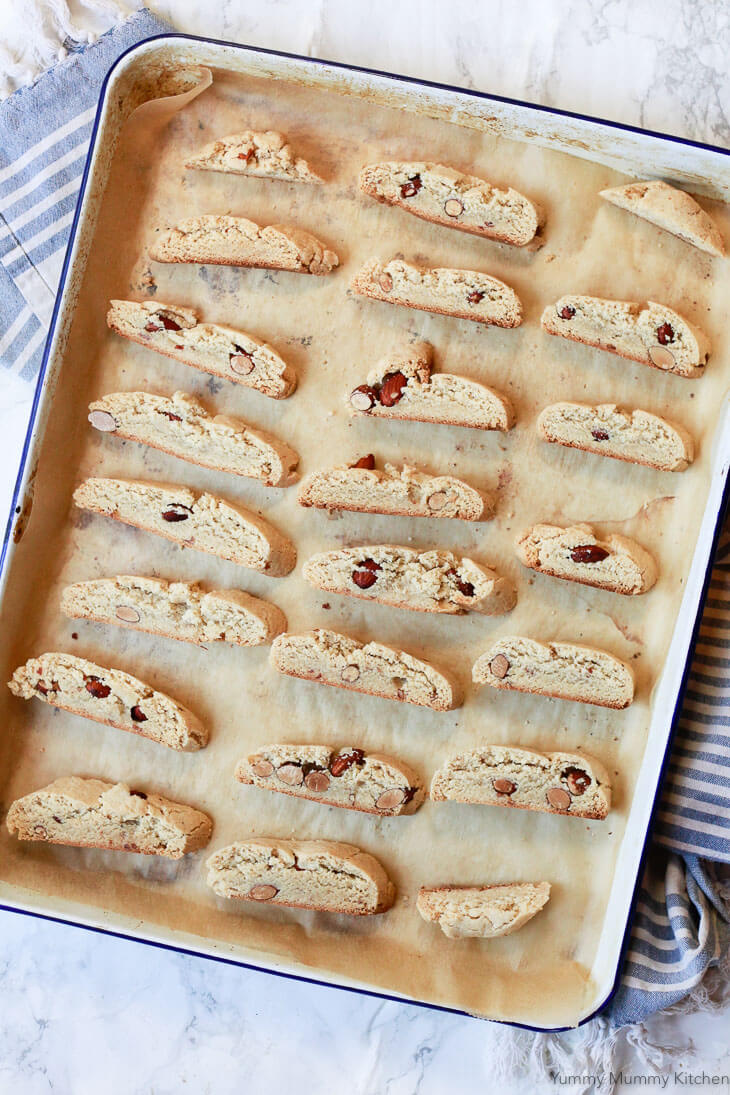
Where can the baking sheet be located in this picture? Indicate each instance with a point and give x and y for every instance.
(541, 974)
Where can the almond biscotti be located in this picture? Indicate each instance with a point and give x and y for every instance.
(108, 696)
(93, 813)
(403, 385)
(654, 334)
(177, 610)
(177, 332)
(181, 426)
(482, 912)
(422, 581)
(504, 775)
(638, 437)
(464, 294)
(260, 155)
(444, 196)
(578, 555)
(400, 491)
(329, 658)
(325, 875)
(235, 241)
(674, 210)
(193, 518)
(564, 670)
(349, 778)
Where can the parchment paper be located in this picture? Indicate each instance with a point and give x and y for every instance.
(540, 974)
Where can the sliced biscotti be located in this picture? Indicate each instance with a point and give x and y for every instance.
(652, 334)
(222, 351)
(576, 554)
(403, 385)
(93, 813)
(504, 775)
(671, 209)
(325, 875)
(482, 912)
(443, 195)
(193, 518)
(350, 778)
(399, 491)
(423, 581)
(260, 155)
(177, 610)
(334, 659)
(180, 425)
(637, 436)
(235, 241)
(108, 696)
(567, 671)
(464, 294)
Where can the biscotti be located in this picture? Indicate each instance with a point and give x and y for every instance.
(638, 437)
(565, 670)
(193, 518)
(261, 155)
(653, 334)
(423, 581)
(177, 610)
(463, 294)
(482, 912)
(108, 696)
(235, 241)
(349, 777)
(578, 555)
(503, 775)
(93, 813)
(222, 351)
(403, 385)
(399, 491)
(674, 210)
(337, 660)
(444, 196)
(325, 875)
(181, 426)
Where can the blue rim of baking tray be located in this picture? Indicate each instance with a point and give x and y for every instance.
(14, 511)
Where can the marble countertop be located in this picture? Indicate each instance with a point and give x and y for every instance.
(87, 1013)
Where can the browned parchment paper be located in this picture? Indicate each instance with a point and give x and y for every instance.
(540, 974)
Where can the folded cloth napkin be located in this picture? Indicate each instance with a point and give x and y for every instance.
(681, 925)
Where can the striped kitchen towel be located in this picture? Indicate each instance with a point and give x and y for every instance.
(681, 923)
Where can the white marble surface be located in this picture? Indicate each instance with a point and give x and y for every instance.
(83, 1013)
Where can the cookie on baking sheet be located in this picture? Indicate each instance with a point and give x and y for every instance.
(423, 581)
(651, 334)
(637, 436)
(235, 241)
(338, 660)
(108, 696)
(669, 208)
(401, 491)
(193, 518)
(261, 155)
(566, 671)
(325, 875)
(177, 610)
(464, 294)
(482, 912)
(505, 775)
(94, 813)
(576, 554)
(445, 196)
(403, 385)
(349, 777)
(222, 351)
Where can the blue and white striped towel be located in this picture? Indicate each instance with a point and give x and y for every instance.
(682, 925)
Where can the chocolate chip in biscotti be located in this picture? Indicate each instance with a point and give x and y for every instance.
(172, 417)
(558, 798)
(363, 398)
(138, 714)
(578, 780)
(365, 574)
(499, 666)
(599, 435)
(391, 390)
(343, 761)
(475, 296)
(665, 333)
(367, 462)
(567, 312)
(177, 512)
(466, 589)
(410, 189)
(589, 553)
(97, 688)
